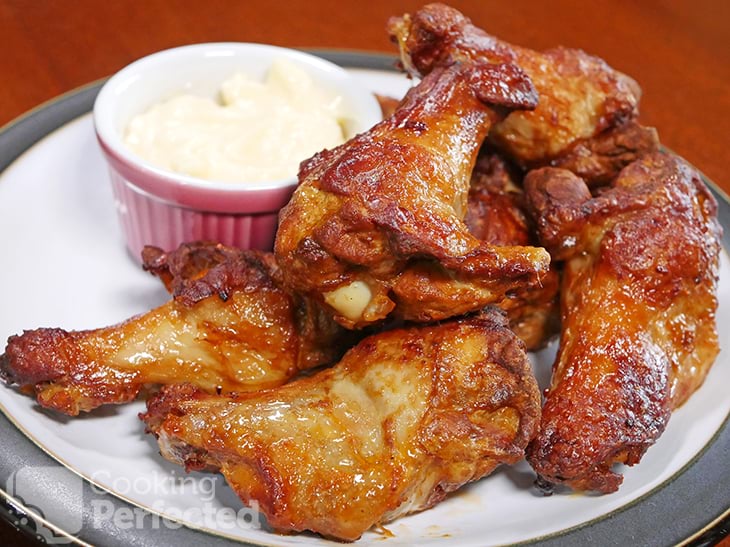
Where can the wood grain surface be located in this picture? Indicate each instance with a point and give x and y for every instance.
(678, 50)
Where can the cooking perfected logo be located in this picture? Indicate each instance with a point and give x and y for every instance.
(56, 504)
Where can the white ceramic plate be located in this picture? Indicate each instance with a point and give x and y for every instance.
(65, 266)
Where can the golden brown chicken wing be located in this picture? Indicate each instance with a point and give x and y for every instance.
(496, 214)
(200, 269)
(580, 96)
(230, 328)
(638, 313)
(406, 417)
(376, 223)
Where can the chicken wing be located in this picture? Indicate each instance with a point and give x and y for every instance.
(378, 221)
(201, 269)
(580, 96)
(406, 417)
(496, 214)
(638, 313)
(230, 328)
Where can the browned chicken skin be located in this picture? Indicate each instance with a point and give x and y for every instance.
(599, 159)
(638, 313)
(406, 417)
(496, 210)
(230, 327)
(200, 269)
(377, 223)
(496, 214)
(580, 96)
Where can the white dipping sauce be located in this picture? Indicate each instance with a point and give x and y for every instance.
(259, 131)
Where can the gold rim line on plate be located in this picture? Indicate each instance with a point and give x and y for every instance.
(100, 486)
(38, 518)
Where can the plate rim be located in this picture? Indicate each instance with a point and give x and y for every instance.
(22, 133)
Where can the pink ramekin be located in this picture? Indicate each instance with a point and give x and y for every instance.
(163, 208)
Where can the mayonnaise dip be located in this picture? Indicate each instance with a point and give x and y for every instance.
(258, 131)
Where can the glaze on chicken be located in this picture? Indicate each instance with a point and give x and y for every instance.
(376, 224)
(638, 304)
(423, 221)
(580, 96)
(229, 327)
(405, 418)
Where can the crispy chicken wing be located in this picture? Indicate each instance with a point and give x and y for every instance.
(200, 269)
(406, 417)
(377, 222)
(230, 327)
(580, 96)
(496, 214)
(638, 313)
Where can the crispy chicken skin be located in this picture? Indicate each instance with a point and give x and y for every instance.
(496, 214)
(638, 313)
(376, 224)
(599, 160)
(200, 269)
(406, 417)
(495, 209)
(580, 96)
(232, 328)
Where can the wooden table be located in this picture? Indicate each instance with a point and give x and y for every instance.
(678, 50)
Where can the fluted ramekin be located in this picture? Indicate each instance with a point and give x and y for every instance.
(159, 207)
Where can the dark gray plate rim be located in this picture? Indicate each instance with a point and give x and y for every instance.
(692, 507)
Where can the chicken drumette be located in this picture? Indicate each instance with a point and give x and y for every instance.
(406, 417)
(376, 224)
(229, 327)
(638, 303)
(581, 98)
